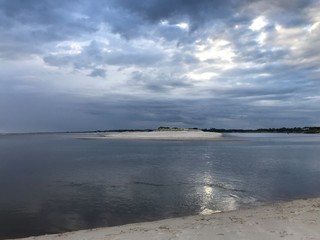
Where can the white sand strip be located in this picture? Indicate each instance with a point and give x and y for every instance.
(292, 220)
(160, 135)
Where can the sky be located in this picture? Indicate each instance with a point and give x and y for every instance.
(128, 64)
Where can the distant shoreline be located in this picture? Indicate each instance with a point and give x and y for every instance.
(186, 135)
(294, 130)
(297, 219)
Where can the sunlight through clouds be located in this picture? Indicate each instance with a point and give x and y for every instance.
(216, 50)
(258, 23)
(183, 25)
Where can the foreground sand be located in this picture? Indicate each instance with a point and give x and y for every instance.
(293, 220)
(160, 135)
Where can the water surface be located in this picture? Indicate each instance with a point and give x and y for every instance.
(56, 183)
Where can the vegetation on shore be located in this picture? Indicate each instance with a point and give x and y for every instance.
(307, 130)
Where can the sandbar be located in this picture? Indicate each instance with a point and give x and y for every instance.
(160, 135)
(299, 219)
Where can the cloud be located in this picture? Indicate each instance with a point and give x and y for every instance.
(158, 81)
(196, 12)
(97, 54)
(98, 72)
(204, 63)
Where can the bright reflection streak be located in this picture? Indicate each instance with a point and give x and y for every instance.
(213, 197)
(207, 196)
(208, 190)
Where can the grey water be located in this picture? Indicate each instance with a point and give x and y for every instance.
(54, 183)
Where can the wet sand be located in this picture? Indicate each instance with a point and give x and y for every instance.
(294, 220)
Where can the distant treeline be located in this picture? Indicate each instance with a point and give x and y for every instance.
(309, 130)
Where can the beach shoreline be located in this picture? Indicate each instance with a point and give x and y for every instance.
(186, 135)
(298, 219)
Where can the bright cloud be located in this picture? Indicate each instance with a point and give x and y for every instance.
(258, 23)
(215, 50)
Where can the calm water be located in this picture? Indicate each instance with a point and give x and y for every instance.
(56, 183)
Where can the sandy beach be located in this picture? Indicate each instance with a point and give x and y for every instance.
(188, 135)
(294, 220)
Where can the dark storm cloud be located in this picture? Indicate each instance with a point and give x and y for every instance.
(47, 21)
(29, 26)
(200, 13)
(132, 19)
(196, 11)
(157, 82)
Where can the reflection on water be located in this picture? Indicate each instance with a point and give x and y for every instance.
(215, 196)
(55, 183)
(208, 192)
(207, 195)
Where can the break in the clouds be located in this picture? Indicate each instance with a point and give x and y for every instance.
(80, 65)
